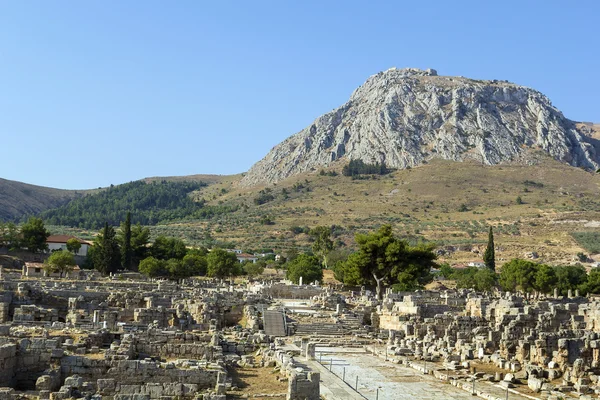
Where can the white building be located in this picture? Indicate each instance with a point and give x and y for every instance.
(59, 242)
(477, 264)
(246, 257)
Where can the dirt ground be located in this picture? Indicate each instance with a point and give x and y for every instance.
(255, 381)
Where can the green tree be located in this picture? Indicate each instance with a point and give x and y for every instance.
(195, 264)
(176, 269)
(256, 268)
(518, 274)
(322, 244)
(106, 255)
(125, 241)
(465, 278)
(489, 257)
(9, 236)
(152, 267)
(221, 263)
(165, 248)
(570, 277)
(198, 251)
(383, 259)
(305, 266)
(485, 279)
(545, 279)
(446, 271)
(592, 285)
(34, 235)
(73, 245)
(140, 237)
(61, 261)
(338, 255)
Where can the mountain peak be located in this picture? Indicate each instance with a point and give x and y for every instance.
(404, 117)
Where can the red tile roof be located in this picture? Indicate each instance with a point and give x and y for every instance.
(63, 239)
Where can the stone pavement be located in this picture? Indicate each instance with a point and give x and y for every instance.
(394, 381)
(332, 387)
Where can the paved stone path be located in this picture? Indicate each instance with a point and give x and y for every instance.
(394, 381)
(332, 387)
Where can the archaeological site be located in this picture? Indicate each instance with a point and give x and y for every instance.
(126, 337)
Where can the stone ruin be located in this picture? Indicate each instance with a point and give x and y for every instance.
(142, 340)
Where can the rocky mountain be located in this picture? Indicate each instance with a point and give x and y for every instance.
(405, 117)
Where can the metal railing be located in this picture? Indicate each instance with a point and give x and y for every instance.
(328, 363)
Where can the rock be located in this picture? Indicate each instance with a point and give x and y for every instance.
(74, 381)
(506, 384)
(535, 384)
(405, 117)
(47, 382)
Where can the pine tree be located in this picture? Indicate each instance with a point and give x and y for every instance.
(126, 251)
(489, 257)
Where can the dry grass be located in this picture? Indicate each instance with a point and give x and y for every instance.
(253, 381)
(422, 202)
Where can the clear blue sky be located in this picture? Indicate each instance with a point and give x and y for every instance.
(101, 92)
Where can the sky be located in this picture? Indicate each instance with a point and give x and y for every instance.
(105, 92)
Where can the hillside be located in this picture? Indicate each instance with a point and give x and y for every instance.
(18, 199)
(451, 203)
(150, 201)
(407, 117)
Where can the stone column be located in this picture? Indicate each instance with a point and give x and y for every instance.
(310, 350)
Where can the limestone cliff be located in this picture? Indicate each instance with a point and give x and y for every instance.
(404, 117)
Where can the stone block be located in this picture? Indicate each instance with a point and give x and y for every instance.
(535, 384)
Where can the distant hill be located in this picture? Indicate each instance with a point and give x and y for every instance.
(18, 199)
(150, 202)
(407, 117)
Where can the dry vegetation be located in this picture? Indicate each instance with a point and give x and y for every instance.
(449, 203)
(251, 382)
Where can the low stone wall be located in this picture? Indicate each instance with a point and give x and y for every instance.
(8, 364)
(155, 380)
(282, 291)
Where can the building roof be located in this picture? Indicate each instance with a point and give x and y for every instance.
(63, 239)
(245, 255)
(34, 265)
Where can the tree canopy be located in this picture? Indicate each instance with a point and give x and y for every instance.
(358, 167)
(152, 202)
(221, 263)
(383, 259)
(105, 253)
(61, 261)
(165, 248)
(73, 245)
(322, 244)
(518, 274)
(306, 266)
(34, 235)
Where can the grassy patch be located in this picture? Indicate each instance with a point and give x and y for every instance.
(590, 241)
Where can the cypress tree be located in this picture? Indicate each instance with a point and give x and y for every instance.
(489, 257)
(126, 249)
(106, 255)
